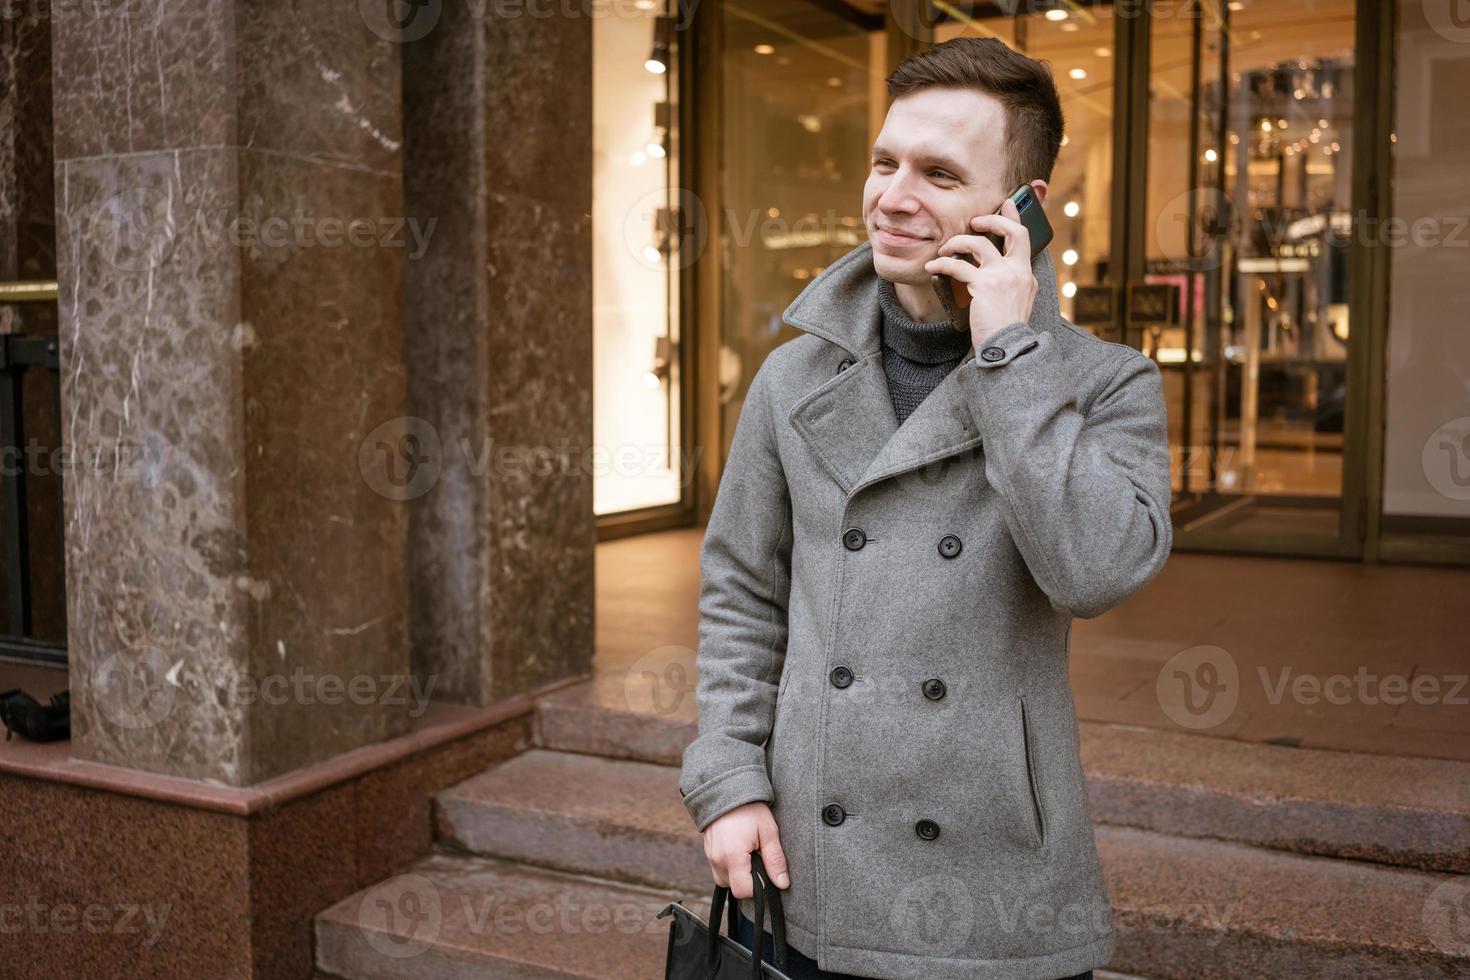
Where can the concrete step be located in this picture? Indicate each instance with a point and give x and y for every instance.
(456, 917)
(1205, 909)
(612, 818)
(1408, 812)
(1185, 907)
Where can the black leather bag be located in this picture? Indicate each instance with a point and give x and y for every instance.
(697, 951)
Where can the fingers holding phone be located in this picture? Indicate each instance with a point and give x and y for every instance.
(1002, 282)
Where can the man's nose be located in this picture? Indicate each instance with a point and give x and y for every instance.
(899, 196)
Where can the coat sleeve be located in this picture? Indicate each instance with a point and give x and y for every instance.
(745, 584)
(1086, 497)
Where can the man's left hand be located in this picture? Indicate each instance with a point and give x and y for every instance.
(1003, 287)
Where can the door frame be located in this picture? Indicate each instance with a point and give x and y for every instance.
(1360, 508)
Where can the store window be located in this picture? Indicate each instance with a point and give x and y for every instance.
(636, 260)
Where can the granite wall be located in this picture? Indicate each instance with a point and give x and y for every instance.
(499, 312)
(230, 265)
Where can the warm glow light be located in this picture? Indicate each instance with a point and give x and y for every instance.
(1069, 289)
(638, 158)
(764, 49)
(1069, 257)
(655, 67)
(1103, 52)
(834, 81)
(1211, 156)
(1265, 125)
(1056, 15)
(651, 254)
(1071, 209)
(650, 379)
(655, 150)
(1078, 73)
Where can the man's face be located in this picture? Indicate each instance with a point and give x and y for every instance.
(939, 160)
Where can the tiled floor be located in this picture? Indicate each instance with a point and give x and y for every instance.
(1316, 647)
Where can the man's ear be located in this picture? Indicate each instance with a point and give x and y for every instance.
(1039, 186)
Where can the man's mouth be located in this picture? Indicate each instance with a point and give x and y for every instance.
(891, 237)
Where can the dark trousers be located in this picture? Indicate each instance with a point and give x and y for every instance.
(799, 967)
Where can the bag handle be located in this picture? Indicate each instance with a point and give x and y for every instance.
(763, 889)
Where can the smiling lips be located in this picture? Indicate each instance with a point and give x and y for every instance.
(899, 239)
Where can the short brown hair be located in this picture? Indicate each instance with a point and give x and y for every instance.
(1024, 87)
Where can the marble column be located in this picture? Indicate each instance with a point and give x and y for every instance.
(229, 205)
(498, 117)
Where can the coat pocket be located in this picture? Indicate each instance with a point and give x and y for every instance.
(1038, 812)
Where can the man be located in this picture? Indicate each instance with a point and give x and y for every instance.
(903, 532)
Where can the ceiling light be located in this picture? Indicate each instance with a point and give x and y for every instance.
(1078, 73)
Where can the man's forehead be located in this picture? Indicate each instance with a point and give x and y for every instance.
(961, 126)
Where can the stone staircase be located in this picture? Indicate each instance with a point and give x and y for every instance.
(1223, 859)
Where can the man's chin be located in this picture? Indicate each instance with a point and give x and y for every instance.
(907, 270)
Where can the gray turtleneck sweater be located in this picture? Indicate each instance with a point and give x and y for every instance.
(916, 356)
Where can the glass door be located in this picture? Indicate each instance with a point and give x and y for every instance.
(1243, 292)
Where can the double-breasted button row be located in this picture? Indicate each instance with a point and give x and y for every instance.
(833, 814)
(854, 538)
(840, 676)
(933, 689)
(926, 829)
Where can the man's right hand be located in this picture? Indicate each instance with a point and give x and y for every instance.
(730, 839)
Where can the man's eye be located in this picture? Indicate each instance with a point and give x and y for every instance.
(942, 174)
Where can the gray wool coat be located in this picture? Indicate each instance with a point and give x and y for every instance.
(885, 617)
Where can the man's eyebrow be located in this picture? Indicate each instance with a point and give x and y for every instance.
(928, 157)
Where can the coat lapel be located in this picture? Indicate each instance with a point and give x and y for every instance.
(848, 422)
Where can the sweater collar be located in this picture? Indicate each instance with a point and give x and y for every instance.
(933, 342)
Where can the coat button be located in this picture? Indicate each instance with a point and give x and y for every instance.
(833, 814)
(992, 353)
(949, 546)
(927, 829)
(854, 538)
(933, 689)
(844, 364)
(841, 675)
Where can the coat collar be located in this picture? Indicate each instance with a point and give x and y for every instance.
(848, 421)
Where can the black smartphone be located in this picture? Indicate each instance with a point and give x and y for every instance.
(1033, 217)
